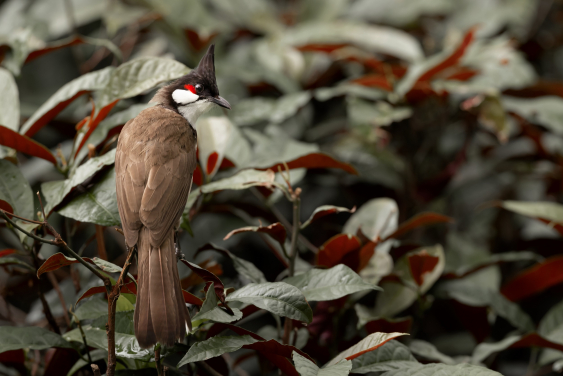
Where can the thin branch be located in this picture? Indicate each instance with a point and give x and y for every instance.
(157, 359)
(112, 304)
(83, 336)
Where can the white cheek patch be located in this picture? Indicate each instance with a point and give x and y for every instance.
(184, 96)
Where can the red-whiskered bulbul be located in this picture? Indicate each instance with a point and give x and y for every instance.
(154, 164)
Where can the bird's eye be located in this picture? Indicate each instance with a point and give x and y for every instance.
(198, 88)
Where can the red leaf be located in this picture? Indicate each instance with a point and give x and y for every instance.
(6, 207)
(420, 264)
(535, 279)
(327, 48)
(226, 164)
(94, 124)
(539, 89)
(462, 74)
(374, 80)
(198, 176)
(191, 298)
(49, 115)
(275, 230)
(12, 356)
(207, 276)
(129, 288)
(7, 252)
(422, 219)
(211, 162)
(366, 253)
(58, 260)
(450, 60)
(335, 248)
(535, 340)
(24, 144)
(197, 41)
(314, 160)
(401, 325)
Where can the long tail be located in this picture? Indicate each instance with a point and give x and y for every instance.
(160, 314)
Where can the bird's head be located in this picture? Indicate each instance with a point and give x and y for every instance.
(195, 93)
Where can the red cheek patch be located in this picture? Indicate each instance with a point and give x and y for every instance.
(190, 88)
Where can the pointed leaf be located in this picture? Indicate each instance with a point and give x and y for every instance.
(58, 260)
(437, 369)
(390, 356)
(9, 101)
(483, 350)
(329, 284)
(243, 267)
(321, 211)
(15, 261)
(15, 190)
(213, 347)
(275, 230)
(211, 311)
(129, 288)
(429, 352)
(370, 343)
(277, 297)
(420, 264)
(6, 252)
(312, 161)
(334, 249)
(534, 280)
(30, 337)
(24, 144)
(377, 219)
(209, 277)
(422, 219)
(191, 298)
(98, 205)
(307, 368)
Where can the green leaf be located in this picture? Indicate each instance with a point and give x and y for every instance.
(369, 343)
(15, 190)
(98, 205)
(277, 297)
(86, 83)
(15, 261)
(254, 110)
(126, 345)
(373, 38)
(329, 284)
(498, 258)
(483, 350)
(365, 113)
(307, 368)
(9, 101)
(377, 219)
(92, 309)
(247, 269)
(213, 347)
(138, 75)
(436, 369)
(211, 311)
(545, 110)
(551, 325)
(95, 355)
(123, 322)
(429, 351)
(56, 191)
(549, 211)
(390, 356)
(326, 93)
(30, 337)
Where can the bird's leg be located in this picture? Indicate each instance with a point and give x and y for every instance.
(179, 254)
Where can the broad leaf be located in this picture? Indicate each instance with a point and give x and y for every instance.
(9, 101)
(211, 311)
(30, 337)
(208, 277)
(429, 352)
(377, 219)
(98, 205)
(483, 350)
(422, 219)
(443, 369)
(548, 212)
(56, 191)
(95, 355)
(545, 110)
(497, 258)
(321, 211)
(307, 368)
(551, 325)
(213, 347)
(329, 284)
(92, 309)
(370, 343)
(15, 261)
(278, 297)
(126, 345)
(64, 96)
(392, 355)
(243, 267)
(15, 190)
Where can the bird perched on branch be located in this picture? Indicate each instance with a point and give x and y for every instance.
(154, 164)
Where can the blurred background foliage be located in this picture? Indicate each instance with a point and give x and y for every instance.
(450, 107)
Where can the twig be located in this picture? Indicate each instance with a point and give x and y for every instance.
(157, 359)
(96, 369)
(112, 303)
(208, 369)
(77, 321)
(55, 284)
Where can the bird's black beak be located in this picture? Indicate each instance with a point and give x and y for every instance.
(220, 101)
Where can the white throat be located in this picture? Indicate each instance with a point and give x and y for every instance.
(192, 111)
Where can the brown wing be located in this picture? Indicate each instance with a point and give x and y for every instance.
(154, 163)
(165, 195)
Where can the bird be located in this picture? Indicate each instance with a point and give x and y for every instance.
(154, 163)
